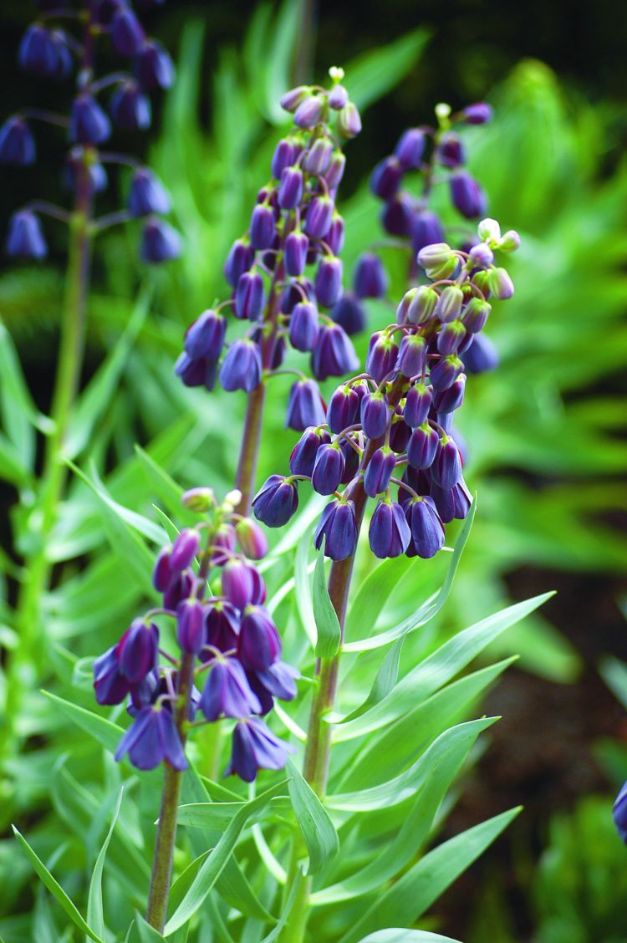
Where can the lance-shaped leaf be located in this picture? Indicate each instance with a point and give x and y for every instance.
(95, 914)
(327, 624)
(313, 820)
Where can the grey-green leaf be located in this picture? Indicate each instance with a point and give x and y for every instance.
(327, 624)
(313, 820)
(95, 914)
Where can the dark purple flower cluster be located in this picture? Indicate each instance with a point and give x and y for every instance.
(619, 812)
(286, 270)
(224, 660)
(52, 53)
(391, 427)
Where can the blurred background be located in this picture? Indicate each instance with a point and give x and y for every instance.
(546, 431)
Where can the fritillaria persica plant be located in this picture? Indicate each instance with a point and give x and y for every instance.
(64, 47)
(286, 275)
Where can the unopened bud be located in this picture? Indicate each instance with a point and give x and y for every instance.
(199, 499)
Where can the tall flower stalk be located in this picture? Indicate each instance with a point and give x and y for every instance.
(223, 641)
(54, 54)
(295, 232)
(397, 418)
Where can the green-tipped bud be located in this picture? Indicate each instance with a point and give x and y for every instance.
(500, 284)
(450, 303)
(435, 255)
(199, 500)
(510, 241)
(417, 305)
(489, 231)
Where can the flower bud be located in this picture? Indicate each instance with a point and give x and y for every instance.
(241, 584)
(481, 356)
(500, 284)
(304, 452)
(222, 625)
(427, 532)
(180, 588)
(335, 234)
(25, 238)
(447, 401)
(304, 327)
(88, 122)
(127, 35)
(44, 52)
(349, 121)
(349, 313)
(191, 631)
(337, 529)
(435, 256)
(412, 356)
(397, 216)
(160, 242)
(447, 467)
(389, 533)
(328, 469)
(252, 539)
(489, 231)
(386, 178)
(240, 258)
(475, 315)
(242, 368)
(227, 692)
(129, 108)
(422, 446)
(153, 66)
(335, 172)
(466, 195)
(333, 355)
(305, 407)
(205, 336)
(374, 414)
(342, 409)
(292, 99)
(309, 112)
(17, 144)
(147, 194)
(328, 281)
(284, 156)
(290, 191)
(382, 355)
(199, 500)
(184, 550)
(196, 372)
(318, 157)
(410, 149)
(250, 296)
(449, 305)
(259, 644)
(510, 241)
(370, 279)
(445, 372)
(450, 337)
(138, 650)
(295, 247)
(262, 227)
(162, 574)
(426, 230)
(481, 255)
(223, 542)
(276, 501)
(319, 216)
(379, 470)
(338, 97)
(417, 405)
(450, 151)
(477, 113)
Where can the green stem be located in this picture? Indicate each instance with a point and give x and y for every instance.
(161, 876)
(21, 669)
(249, 451)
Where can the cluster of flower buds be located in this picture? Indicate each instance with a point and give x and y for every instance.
(53, 53)
(286, 270)
(391, 427)
(222, 658)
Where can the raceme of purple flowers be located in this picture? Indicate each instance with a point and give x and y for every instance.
(216, 655)
(119, 100)
(286, 271)
(388, 432)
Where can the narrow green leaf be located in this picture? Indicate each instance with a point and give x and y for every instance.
(374, 73)
(438, 668)
(407, 899)
(103, 730)
(19, 414)
(313, 820)
(212, 867)
(146, 933)
(210, 815)
(12, 467)
(425, 612)
(55, 888)
(95, 913)
(394, 791)
(304, 601)
(327, 624)
(95, 400)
